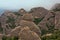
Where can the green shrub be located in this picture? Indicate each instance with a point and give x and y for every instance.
(38, 20)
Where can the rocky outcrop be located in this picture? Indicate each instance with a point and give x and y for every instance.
(22, 11)
(9, 14)
(31, 25)
(28, 21)
(5, 20)
(28, 17)
(26, 34)
(47, 22)
(15, 31)
(56, 7)
(39, 12)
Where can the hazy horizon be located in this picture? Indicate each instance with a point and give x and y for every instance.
(27, 4)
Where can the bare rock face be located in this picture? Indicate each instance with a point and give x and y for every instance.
(15, 31)
(28, 17)
(22, 11)
(4, 19)
(47, 21)
(31, 25)
(39, 12)
(21, 16)
(57, 20)
(9, 14)
(27, 34)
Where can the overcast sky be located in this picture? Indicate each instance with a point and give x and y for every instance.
(27, 4)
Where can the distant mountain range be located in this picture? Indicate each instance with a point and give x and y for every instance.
(1, 10)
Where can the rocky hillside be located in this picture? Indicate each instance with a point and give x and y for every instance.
(37, 24)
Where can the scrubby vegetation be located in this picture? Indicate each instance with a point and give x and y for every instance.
(11, 21)
(16, 13)
(9, 38)
(37, 20)
(54, 36)
(1, 29)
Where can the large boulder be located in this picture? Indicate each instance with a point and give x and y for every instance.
(27, 34)
(39, 12)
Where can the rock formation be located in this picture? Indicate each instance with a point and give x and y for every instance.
(27, 22)
(22, 11)
(56, 7)
(26, 34)
(47, 21)
(39, 12)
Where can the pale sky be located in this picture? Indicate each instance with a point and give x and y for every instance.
(27, 4)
